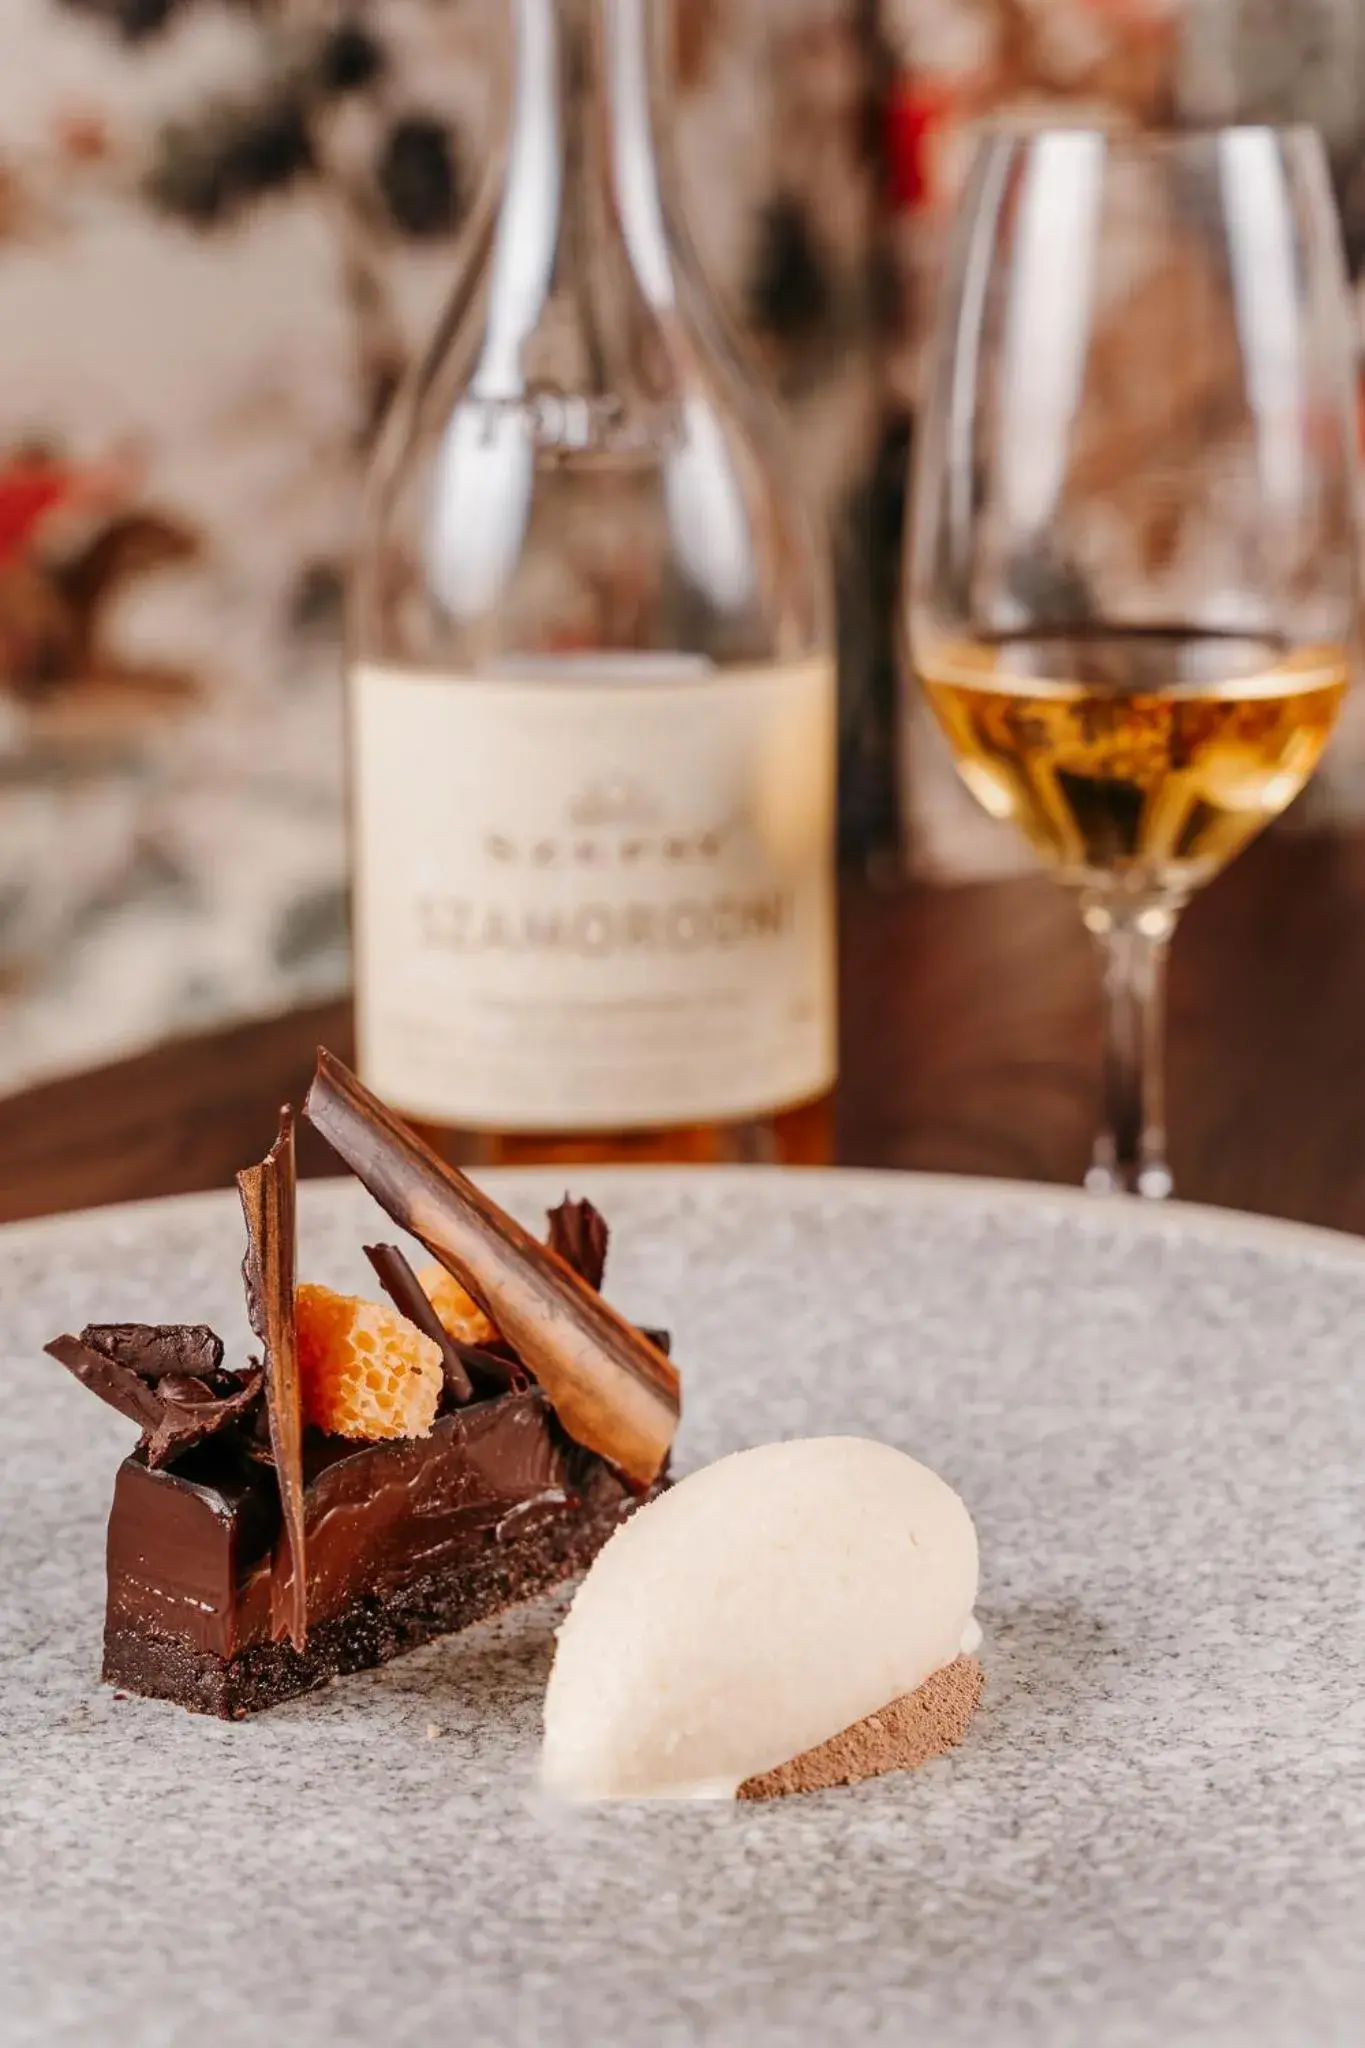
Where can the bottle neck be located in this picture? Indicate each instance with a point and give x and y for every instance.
(582, 199)
(611, 124)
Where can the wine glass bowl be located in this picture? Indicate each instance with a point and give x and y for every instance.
(1131, 581)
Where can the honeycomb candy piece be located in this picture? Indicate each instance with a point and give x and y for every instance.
(365, 1371)
(459, 1313)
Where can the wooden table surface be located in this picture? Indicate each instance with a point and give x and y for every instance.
(971, 1045)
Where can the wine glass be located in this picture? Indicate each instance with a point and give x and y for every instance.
(1131, 584)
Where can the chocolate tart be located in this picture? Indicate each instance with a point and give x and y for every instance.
(251, 1558)
(404, 1541)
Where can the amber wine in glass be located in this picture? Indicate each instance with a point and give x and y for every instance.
(1149, 758)
(1132, 570)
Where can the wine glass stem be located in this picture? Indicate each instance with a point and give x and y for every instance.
(1134, 937)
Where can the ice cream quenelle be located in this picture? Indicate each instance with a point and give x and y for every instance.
(792, 1616)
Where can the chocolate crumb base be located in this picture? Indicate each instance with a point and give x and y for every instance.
(914, 1729)
(370, 1630)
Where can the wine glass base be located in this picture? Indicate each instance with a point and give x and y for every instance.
(1152, 1180)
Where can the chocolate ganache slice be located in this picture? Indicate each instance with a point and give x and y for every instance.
(251, 1556)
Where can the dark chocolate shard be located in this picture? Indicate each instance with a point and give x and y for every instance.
(192, 1411)
(115, 1383)
(578, 1232)
(493, 1372)
(174, 1412)
(612, 1389)
(268, 1204)
(405, 1291)
(181, 1390)
(153, 1350)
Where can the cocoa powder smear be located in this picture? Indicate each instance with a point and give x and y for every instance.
(912, 1731)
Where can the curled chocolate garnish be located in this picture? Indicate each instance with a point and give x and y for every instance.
(405, 1291)
(578, 1232)
(174, 1410)
(613, 1390)
(153, 1350)
(268, 1204)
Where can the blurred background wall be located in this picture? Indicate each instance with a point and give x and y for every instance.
(225, 225)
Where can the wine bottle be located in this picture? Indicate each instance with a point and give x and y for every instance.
(591, 681)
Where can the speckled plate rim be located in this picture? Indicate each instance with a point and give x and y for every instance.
(1108, 1216)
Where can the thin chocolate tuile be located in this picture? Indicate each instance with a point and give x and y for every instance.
(578, 1232)
(405, 1291)
(154, 1350)
(268, 1204)
(613, 1390)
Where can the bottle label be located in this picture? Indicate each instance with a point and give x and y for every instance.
(598, 895)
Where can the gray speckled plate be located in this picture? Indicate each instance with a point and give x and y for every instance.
(1155, 1833)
